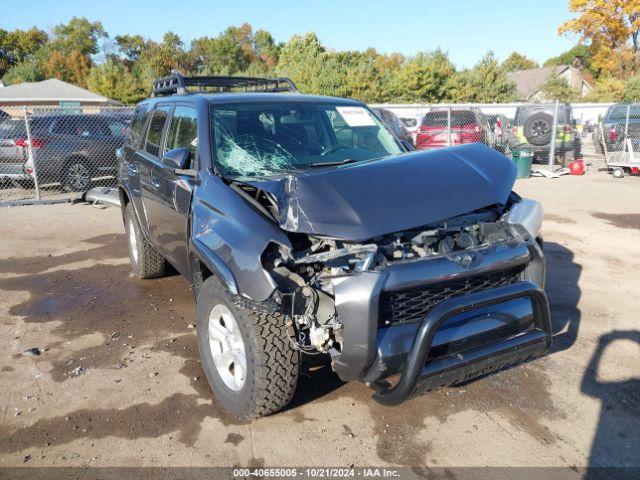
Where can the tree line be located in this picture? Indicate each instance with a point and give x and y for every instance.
(122, 67)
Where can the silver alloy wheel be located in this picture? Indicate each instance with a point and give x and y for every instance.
(78, 176)
(227, 347)
(133, 241)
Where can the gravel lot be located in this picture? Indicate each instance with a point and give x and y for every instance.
(118, 382)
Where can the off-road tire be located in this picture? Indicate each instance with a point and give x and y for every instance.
(149, 262)
(272, 362)
(536, 123)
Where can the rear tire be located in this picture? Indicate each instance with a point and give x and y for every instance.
(271, 364)
(146, 260)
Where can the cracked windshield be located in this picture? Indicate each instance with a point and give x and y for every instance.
(270, 139)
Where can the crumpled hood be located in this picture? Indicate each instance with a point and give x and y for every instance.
(361, 201)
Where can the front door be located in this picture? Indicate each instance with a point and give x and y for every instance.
(169, 213)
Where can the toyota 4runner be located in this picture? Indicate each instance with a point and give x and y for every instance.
(305, 227)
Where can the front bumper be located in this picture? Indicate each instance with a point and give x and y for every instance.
(421, 374)
(474, 335)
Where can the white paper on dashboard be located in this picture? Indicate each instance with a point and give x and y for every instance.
(356, 116)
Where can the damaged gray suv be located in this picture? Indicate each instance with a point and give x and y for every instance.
(305, 227)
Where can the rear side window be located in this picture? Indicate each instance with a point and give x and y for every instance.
(183, 130)
(137, 124)
(154, 135)
(86, 126)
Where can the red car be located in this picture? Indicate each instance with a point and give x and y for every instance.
(467, 126)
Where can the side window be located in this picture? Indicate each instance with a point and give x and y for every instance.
(137, 124)
(116, 128)
(183, 130)
(65, 126)
(154, 135)
(93, 127)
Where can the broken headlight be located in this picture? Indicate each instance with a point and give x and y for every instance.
(525, 219)
(355, 258)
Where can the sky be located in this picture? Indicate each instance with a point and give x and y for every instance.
(466, 29)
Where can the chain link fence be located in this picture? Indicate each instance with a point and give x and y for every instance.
(51, 154)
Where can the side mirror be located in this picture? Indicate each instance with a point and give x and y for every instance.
(177, 158)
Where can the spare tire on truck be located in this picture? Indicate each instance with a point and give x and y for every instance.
(537, 129)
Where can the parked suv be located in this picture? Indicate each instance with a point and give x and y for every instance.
(467, 126)
(532, 128)
(305, 227)
(621, 122)
(501, 129)
(69, 149)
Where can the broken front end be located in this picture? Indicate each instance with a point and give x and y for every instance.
(430, 306)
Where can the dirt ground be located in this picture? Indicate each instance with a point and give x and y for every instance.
(118, 381)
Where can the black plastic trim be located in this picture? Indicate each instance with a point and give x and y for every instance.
(511, 348)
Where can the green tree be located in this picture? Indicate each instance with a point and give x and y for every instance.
(18, 46)
(517, 61)
(632, 89)
(557, 88)
(425, 77)
(567, 58)
(27, 71)
(606, 89)
(113, 79)
(79, 35)
(486, 82)
(131, 47)
(300, 59)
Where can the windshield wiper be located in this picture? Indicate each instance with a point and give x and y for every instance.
(333, 164)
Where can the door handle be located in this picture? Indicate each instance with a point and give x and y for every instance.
(132, 169)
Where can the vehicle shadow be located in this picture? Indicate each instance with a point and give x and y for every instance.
(616, 443)
(563, 291)
(316, 380)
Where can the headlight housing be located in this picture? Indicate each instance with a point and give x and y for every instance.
(355, 258)
(525, 219)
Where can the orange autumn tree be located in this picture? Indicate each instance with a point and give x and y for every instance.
(611, 29)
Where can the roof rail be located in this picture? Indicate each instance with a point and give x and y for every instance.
(177, 84)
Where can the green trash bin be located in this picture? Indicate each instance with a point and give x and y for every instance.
(523, 160)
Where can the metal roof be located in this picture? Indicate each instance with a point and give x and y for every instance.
(51, 90)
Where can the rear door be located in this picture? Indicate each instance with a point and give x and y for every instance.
(168, 214)
(130, 165)
(148, 160)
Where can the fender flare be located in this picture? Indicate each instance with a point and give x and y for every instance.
(215, 264)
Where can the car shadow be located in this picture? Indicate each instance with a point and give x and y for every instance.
(616, 443)
(563, 291)
(316, 380)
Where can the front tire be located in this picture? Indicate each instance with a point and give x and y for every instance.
(246, 353)
(146, 261)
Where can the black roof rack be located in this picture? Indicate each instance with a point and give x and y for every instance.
(177, 84)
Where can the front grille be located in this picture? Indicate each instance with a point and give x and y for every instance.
(412, 305)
